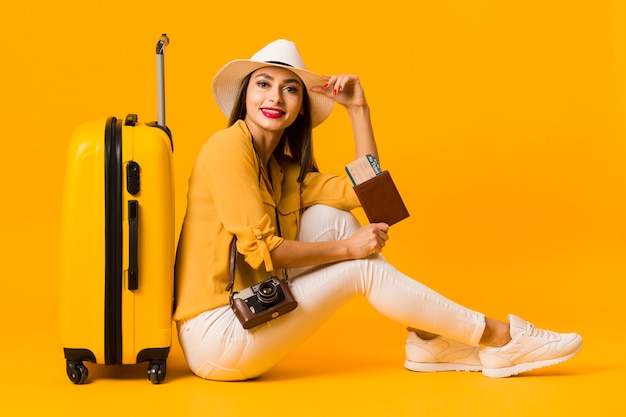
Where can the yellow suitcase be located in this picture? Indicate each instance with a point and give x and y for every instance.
(118, 243)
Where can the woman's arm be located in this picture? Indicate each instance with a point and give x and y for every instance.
(366, 241)
(347, 91)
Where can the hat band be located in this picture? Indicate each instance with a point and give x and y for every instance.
(278, 63)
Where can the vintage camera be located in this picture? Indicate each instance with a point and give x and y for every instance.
(262, 302)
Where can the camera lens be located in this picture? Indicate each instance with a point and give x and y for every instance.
(267, 293)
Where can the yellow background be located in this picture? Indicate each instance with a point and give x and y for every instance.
(502, 124)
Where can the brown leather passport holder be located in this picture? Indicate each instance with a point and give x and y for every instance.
(381, 200)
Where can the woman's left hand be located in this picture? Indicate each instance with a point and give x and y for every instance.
(345, 89)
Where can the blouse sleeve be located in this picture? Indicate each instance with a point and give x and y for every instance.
(329, 189)
(232, 173)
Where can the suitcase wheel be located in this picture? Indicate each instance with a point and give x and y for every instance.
(156, 371)
(76, 371)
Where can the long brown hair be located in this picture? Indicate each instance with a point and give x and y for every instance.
(297, 139)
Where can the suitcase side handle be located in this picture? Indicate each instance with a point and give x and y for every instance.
(133, 245)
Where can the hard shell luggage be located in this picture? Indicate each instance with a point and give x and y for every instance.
(118, 243)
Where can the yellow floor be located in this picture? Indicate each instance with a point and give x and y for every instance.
(354, 375)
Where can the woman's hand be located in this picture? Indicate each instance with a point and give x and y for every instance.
(345, 89)
(367, 240)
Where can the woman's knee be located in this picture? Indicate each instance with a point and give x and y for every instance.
(322, 223)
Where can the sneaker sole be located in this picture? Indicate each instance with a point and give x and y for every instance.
(440, 367)
(526, 366)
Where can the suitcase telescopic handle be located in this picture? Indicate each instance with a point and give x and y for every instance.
(163, 41)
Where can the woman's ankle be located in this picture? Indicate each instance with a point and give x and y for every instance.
(497, 333)
(424, 335)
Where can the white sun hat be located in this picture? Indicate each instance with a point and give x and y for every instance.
(280, 53)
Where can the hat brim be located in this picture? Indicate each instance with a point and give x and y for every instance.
(228, 80)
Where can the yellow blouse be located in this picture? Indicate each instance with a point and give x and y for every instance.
(229, 195)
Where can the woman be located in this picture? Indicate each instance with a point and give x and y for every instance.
(257, 181)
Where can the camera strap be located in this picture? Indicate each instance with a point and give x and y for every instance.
(280, 233)
(233, 261)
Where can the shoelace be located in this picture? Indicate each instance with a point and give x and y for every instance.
(533, 331)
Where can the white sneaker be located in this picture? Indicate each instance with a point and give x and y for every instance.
(529, 348)
(440, 354)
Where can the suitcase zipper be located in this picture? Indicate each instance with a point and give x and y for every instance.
(113, 242)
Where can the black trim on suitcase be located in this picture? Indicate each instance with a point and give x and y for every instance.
(153, 354)
(165, 129)
(79, 355)
(133, 245)
(131, 119)
(113, 242)
(133, 178)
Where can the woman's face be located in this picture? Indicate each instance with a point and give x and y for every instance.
(274, 99)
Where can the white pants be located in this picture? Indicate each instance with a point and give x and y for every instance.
(217, 347)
